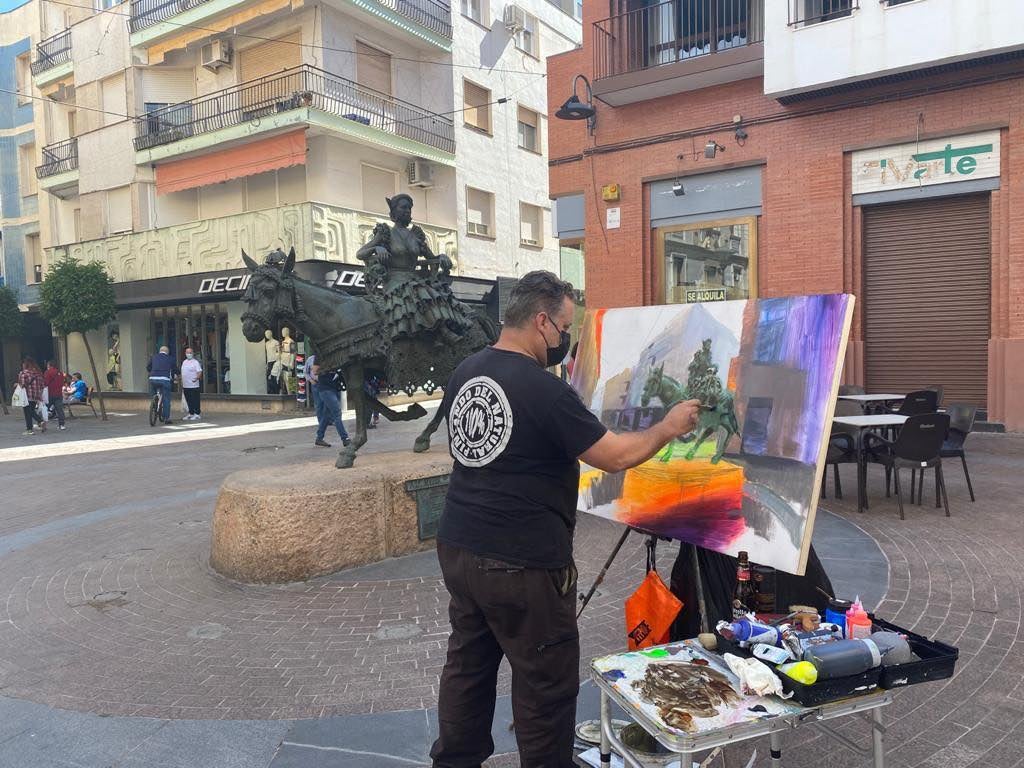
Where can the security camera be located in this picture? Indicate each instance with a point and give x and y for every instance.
(677, 189)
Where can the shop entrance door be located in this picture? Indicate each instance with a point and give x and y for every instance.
(202, 327)
(927, 296)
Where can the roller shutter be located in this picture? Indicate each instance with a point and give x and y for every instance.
(927, 296)
(168, 86)
(269, 58)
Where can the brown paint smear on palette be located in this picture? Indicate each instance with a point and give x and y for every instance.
(684, 691)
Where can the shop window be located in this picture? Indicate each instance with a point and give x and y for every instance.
(476, 102)
(570, 263)
(378, 184)
(204, 328)
(27, 169)
(527, 38)
(479, 212)
(531, 225)
(708, 261)
(529, 129)
(475, 10)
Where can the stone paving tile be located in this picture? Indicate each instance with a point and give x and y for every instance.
(184, 643)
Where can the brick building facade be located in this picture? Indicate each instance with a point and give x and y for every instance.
(809, 221)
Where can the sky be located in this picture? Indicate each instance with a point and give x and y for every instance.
(10, 5)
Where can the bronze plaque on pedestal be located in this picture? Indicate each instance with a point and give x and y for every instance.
(429, 494)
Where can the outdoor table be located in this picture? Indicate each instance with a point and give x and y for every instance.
(790, 715)
(866, 401)
(863, 423)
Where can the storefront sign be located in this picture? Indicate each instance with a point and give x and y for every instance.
(935, 161)
(231, 284)
(350, 278)
(703, 295)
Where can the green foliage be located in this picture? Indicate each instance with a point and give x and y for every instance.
(10, 315)
(77, 297)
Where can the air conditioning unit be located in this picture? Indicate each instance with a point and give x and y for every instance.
(420, 173)
(515, 18)
(216, 54)
(477, 229)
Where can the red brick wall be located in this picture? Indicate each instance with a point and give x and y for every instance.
(809, 234)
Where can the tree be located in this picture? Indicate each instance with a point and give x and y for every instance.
(78, 298)
(10, 325)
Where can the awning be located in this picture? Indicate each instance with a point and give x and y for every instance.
(245, 160)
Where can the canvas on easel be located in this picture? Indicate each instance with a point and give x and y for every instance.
(748, 478)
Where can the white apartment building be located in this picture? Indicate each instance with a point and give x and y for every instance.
(180, 133)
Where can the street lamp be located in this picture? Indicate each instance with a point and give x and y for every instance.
(574, 109)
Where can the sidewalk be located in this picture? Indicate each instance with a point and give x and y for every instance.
(120, 647)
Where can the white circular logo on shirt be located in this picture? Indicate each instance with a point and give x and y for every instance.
(479, 422)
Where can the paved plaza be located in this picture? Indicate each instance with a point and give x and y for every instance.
(119, 646)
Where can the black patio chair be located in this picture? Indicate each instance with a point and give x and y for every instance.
(918, 446)
(939, 390)
(842, 446)
(918, 402)
(961, 423)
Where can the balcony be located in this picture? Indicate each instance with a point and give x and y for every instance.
(53, 58)
(58, 174)
(153, 20)
(677, 46)
(316, 230)
(300, 96)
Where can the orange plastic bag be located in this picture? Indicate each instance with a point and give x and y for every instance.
(650, 612)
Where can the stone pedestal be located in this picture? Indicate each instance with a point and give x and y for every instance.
(296, 522)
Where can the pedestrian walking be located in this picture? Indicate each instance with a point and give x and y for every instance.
(191, 377)
(54, 380)
(506, 533)
(162, 370)
(31, 380)
(328, 400)
(307, 373)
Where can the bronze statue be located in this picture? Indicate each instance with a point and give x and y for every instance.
(410, 329)
(407, 276)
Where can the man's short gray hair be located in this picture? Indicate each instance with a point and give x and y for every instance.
(536, 292)
(165, 349)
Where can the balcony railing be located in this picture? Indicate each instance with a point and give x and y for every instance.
(146, 13)
(58, 158)
(674, 31)
(431, 14)
(52, 51)
(805, 12)
(301, 87)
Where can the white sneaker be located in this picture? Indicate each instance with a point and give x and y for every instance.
(196, 417)
(63, 427)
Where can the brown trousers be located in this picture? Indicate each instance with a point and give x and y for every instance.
(528, 615)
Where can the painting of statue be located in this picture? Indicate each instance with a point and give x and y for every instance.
(766, 372)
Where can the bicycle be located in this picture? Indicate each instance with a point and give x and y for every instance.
(156, 408)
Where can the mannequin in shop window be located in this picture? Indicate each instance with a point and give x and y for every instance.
(287, 358)
(273, 347)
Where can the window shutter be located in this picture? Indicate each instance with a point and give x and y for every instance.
(167, 86)
(270, 58)
(373, 68)
(119, 210)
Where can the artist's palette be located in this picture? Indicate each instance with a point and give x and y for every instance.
(683, 690)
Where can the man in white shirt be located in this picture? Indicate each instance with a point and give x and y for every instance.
(191, 376)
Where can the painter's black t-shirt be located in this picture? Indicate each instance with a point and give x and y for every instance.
(515, 432)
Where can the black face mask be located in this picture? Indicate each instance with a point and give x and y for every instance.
(557, 354)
